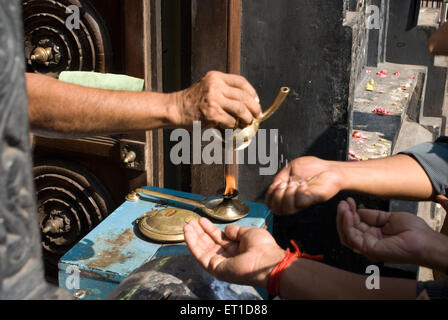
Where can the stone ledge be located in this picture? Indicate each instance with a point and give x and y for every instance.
(429, 17)
(395, 94)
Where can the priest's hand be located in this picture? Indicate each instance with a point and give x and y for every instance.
(218, 100)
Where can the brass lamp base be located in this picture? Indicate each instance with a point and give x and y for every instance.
(227, 210)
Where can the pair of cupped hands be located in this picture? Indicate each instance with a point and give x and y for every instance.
(247, 255)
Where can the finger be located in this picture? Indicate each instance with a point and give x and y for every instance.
(235, 232)
(240, 82)
(343, 207)
(352, 203)
(203, 240)
(289, 199)
(281, 177)
(238, 110)
(223, 119)
(270, 191)
(191, 237)
(213, 232)
(250, 103)
(358, 223)
(199, 243)
(352, 236)
(374, 218)
(277, 198)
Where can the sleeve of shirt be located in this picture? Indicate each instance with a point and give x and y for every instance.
(433, 157)
(436, 290)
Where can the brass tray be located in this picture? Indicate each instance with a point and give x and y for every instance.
(166, 225)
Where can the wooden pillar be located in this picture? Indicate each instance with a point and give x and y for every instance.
(216, 45)
(143, 47)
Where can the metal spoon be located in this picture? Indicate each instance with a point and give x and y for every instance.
(241, 138)
(223, 209)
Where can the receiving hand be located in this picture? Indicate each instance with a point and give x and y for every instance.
(239, 255)
(302, 183)
(395, 237)
(219, 100)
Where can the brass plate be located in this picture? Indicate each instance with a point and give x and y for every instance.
(166, 225)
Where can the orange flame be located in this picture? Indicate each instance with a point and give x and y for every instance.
(230, 185)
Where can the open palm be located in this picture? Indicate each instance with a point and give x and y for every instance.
(302, 183)
(240, 255)
(396, 237)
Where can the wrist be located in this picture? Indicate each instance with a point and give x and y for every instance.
(272, 259)
(275, 278)
(348, 175)
(340, 174)
(156, 110)
(175, 109)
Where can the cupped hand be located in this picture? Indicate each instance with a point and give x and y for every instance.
(239, 255)
(395, 237)
(218, 100)
(302, 183)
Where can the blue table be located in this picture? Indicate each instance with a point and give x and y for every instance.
(113, 250)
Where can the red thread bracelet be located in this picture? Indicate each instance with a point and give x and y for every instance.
(275, 277)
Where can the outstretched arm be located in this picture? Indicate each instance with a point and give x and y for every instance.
(62, 109)
(309, 180)
(247, 256)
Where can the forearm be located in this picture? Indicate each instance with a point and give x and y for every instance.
(398, 177)
(61, 109)
(307, 279)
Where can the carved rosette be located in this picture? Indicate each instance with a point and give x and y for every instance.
(21, 268)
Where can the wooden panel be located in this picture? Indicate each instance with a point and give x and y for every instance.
(135, 47)
(144, 60)
(234, 37)
(234, 63)
(216, 45)
(209, 37)
(95, 146)
(153, 79)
